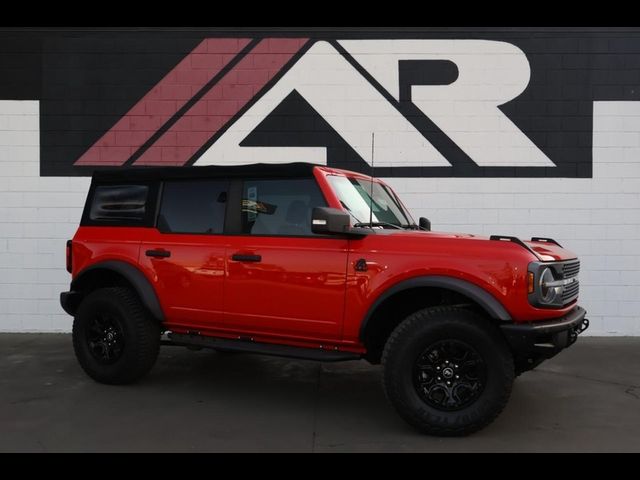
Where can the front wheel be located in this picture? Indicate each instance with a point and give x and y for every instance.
(447, 371)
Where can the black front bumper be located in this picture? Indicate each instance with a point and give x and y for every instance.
(70, 302)
(543, 340)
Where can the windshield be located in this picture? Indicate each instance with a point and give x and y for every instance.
(355, 196)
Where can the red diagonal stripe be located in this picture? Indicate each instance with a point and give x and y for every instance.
(163, 101)
(220, 104)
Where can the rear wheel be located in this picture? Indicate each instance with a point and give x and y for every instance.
(115, 340)
(447, 371)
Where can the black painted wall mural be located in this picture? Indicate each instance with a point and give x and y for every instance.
(441, 102)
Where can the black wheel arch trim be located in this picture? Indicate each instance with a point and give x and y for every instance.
(134, 276)
(483, 298)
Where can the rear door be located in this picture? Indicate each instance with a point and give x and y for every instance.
(185, 254)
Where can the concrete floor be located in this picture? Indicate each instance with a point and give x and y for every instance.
(587, 399)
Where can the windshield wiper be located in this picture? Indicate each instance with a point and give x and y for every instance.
(378, 224)
(360, 224)
(350, 212)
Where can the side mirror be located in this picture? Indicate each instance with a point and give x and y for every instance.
(330, 221)
(425, 224)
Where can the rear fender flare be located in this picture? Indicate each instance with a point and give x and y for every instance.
(134, 276)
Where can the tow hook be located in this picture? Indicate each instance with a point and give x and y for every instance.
(579, 330)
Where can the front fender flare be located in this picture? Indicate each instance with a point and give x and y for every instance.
(483, 298)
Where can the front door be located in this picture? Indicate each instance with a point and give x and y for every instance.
(284, 281)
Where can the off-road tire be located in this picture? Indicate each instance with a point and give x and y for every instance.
(140, 332)
(415, 335)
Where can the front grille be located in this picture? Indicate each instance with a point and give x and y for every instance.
(571, 269)
(571, 291)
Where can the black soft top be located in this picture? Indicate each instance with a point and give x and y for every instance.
(128, 174)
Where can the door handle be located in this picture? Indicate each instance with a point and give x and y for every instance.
(246, 258)
(158, 253)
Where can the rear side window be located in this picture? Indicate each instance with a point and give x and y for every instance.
(119, 204)
(196, 207)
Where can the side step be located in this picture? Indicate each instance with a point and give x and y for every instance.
(261, 348)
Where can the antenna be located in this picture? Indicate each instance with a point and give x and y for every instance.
(373, 149)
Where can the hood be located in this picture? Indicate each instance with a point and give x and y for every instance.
(546, 251)
(550, 252)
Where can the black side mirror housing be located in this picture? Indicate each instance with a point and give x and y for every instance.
(425, 224)
(330, 221)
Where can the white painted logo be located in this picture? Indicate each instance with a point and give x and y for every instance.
(491, 74)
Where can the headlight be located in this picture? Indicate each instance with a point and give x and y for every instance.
(550, 289)
(553, 284)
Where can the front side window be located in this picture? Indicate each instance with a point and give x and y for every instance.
(355, 196)
(280, 207)
(196, 207)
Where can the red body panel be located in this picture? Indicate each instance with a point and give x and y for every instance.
(306, 291)
(395, 256)
(189, 284)
(299, 287)
(93, 245)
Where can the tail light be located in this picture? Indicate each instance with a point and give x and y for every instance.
(69, 257)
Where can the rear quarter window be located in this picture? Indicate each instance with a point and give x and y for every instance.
(121, 204)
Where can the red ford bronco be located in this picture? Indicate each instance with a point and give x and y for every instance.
(310, 262)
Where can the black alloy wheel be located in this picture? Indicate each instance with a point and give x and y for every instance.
(105, 338)
(450, 375)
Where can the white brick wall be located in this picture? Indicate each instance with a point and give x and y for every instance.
(37, 216)
(597, 218)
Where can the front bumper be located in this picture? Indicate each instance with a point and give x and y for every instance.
(544, 340)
